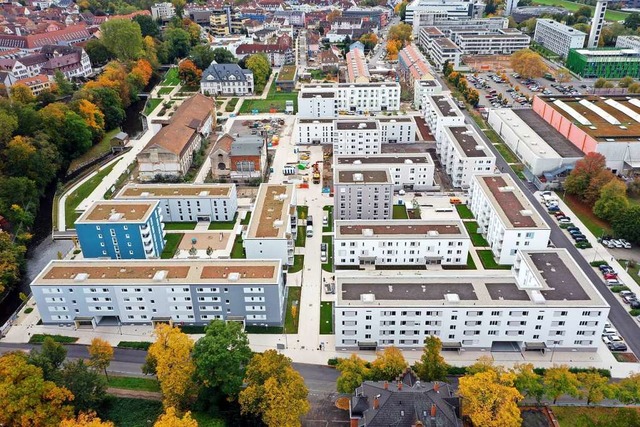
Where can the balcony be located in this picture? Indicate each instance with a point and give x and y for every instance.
(149, 251)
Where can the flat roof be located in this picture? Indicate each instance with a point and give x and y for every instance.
(327, 94)
(474, 290)
(432, 31)
(355, 124)
(444, 104)
(158, 272)
(446, 43)
(508, 200)
(312, 121)
(560, 27)
(407, 229)
(394, 119)
(272, 211)
(414, 147)
(175, 190)
(468, 141)
(118, 211)
(370, 176)
(381, 159)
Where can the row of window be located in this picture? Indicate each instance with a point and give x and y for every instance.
(472, 313)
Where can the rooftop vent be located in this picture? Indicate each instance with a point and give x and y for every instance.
(367, 232)
(234, 277)
(537, 297)
(506, 189)
(526, 212)
(433, 233)
(367, 297)
(358, 177)
(362, 126)
(81, 277)
(357, 162)
(145, 194)
(278, 223)
(160, 275)
(408, 161)
(453, 298)
(115, 217)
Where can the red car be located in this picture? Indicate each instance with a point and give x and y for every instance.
(610, 276)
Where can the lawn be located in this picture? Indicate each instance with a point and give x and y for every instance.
(476, 238)
(246, 219)
(597, 226)
(39, 338)
(633, 271)
(329, 211)
(136, 345)
(178, 226)
(328, 266)
(298, 263)
(302, 212)
(95, 151)
(231, 105)
(287, 72)
(400, 212)
(237, 252)
(600, 416)
(134, 383)
(486, 256)
(326, 318)
(301, 237)
(464, 212)
(171, 78)
(151, 105)
(74, 199)
(224, 225)
(165, 90)
(173, 240)
(506, 153)
(292, 318)
(275, 100)
(127, 412)
(610, 15)
(471, 264)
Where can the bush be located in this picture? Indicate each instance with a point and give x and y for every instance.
(617, 289)
(136, 345)
(634, 312)
(28, 310)
(598, 263)
(583, 245)
(39, 338)
(566, 225)
(604, 372)
(456, 370)
(333, 361)
(77, 251)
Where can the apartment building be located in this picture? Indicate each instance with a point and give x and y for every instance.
(339, 131)
(356, 137)
(524, 309)
(464, 154)
(420, 12)
(557, 37)
(366, 194)
(163, 11)
(226, 79)
(122, 229)
(440, 112)
(506, 218)
(423, 88)
(187, 202)
(357, 68)
(439, 48)
(409, 171)
(400, 242)
(503, 42)
(272, 229)
(329, 99)
(106, 292)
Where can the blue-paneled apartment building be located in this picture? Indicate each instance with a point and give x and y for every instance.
(121, 229)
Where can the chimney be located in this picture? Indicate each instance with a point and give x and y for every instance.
(433, 410)
(399, 385)
(386, 385)
(436, 387)
(376, 403)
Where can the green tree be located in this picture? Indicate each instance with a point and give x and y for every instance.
(625, 81)
(49, 358)
(401, 32)
(389, 364)
(178, 43)
(261, 68)
(613, 200)
(8, 125)
(595, 387)
(528, 383)
(632, 21)
(109, 102)
(11, 260)
(490, 7)
(64, 86)
(583, 11)
(202, 56)
(353, 371)
(88, 387)
(559, 381)
(627, 224)
(223, 56)
(432, 366)
(221, 357)
(123, 38)
(148, 25)
(627, 390)
(19, 199)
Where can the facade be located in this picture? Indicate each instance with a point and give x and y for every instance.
(37, 84)
(597, 22)
(356, 135)
(510, 5)
(440, 112)
(364, 194)
(557, 37)
(93, 292)
(239, 159)
(226, 79)
(464, 154)
(420, 12)
(628, 42)
(607, 63)
(545, 302)
(541, 148)
(413, 65)
(503, 42)
(423, 88)
(400, 243)
(505, 217)
(444, 50)
(187, 202)
(121, 229)
(409, 171)
(272, 229)
(170, 151)
(163, 11)
(328, 99)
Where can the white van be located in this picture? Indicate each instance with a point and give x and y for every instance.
(309, 230)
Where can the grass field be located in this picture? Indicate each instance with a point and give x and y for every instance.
(224, 225)
(580, 416)
(476, 238)
(464, 212)
(134, 383)
(171, 78)
(173, 240)
(291, 319)
(506, 153)
(237, 252)
(151, 105)
(95, 151)
(471, 264)
(301, 237)
(597, 226)
(326, 318)
(231, 105)
(73, 200)
(126, 412)
(610, 15)
(486, 256)
(178, 226)
(246, 219)
(329, 211)
(633, 271)
(298, 263)
(39, 338)
(400, 212)
(165, 90)
(302, 212)
(328, 266)
(275, 100)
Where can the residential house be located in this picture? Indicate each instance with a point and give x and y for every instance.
(226, 79)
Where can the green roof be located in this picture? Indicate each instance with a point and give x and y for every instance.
(287, 72)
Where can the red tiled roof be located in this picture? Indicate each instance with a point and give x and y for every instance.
(34, 41)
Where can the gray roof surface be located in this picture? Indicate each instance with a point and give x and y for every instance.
(412, 292)
(247, 146)
(558, 276)
(224, 72)
(559, 143)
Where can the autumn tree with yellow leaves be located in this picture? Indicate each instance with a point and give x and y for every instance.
(274, 390)
(490, 399)
(170, 418)
(169, 357)
(100, 355)
(353, 371)
(86, 420)
(528, 64)
(389, 364)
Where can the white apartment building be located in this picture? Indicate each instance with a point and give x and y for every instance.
(272, 229)
(343, 133)
(163, 11)
(409, 171)
(628, 42)
(440, 112)
(503, 42)
(545, 303)
(439, 48)
(464, 154)
(557, 37)
(541, 148)
(329, 99)
(187, 202)
(89, 293)
(505, 217)
(366, 194)
(400, 242)
(420, 12)
(422, 88)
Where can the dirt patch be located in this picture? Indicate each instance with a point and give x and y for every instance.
(135, 394)
(625, 357)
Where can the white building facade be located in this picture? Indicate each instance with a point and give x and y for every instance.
(334, 131)
(464, 154)
(557, 37)
(329, 99)
(163, 11)
(503, 42)
(440, 112)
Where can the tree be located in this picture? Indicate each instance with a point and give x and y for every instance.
(447, 68)
(62, 83)
(20, 92)
(170, 356)
(401, 32)
(108, 100)
(389, 364)
(483, 364)
(592, 193)
(178, 43)
(634, 88)
(86, 419)
(221, 357)
(583, 11)
(27, 399)
(490, 7)
(333, 15)
(529, 25)
(627, 224)
(613, 200)
(528, 383)
(223, 56)
(8, 125)
(203, 56)
(490, 399)
(369, 40)
(625, 81)
(261, 68)
(148, 25)
(45, 97)
(353, 371)
(274, 390)
(528, 63)
(35, 158)
(88, 387)
(473, 97)
(123, 38)
(563, 75)
(179, 6)
(93, 117)
(393, 47)
(67, 129)
(580, 177)
(627, 390)
(632, 21)
(599, 83)
(100, 355)
(432, 366)
(98, 52)
(189, 73)
(559, 381)
(11, 258)
(595, 386)
(49, 358)
(171, 419)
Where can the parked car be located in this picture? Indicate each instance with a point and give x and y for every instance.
(613, 282)
(635, 304)
(553, 209)
(610, 276)
(630, 298)
(603, 267)
(626, 293)
(582, 237)
(606, 340)
(564, 220)
(617, 346)
(570, 229)
(609, 330)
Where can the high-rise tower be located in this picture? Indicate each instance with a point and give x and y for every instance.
(597, 23)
